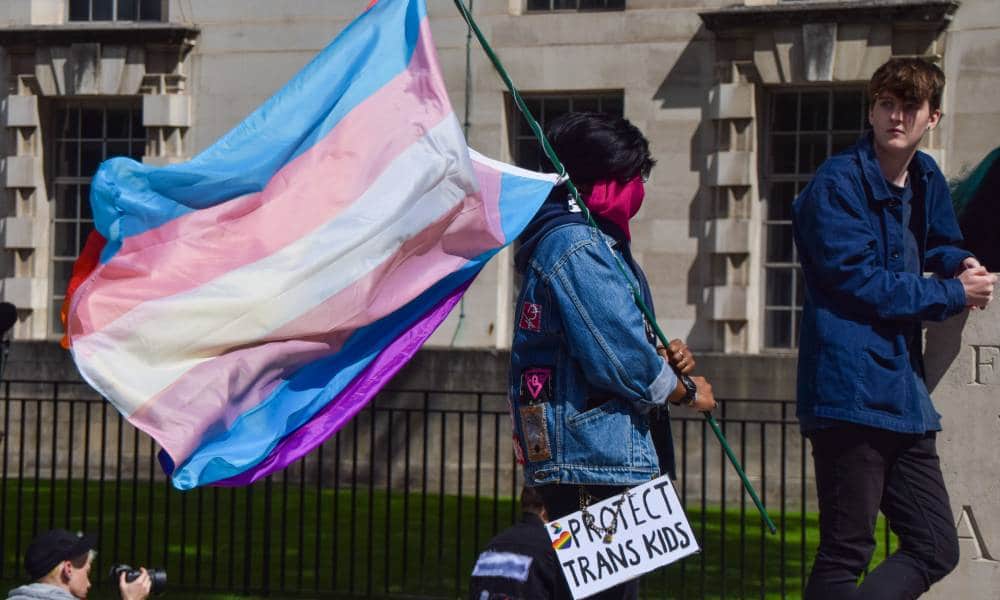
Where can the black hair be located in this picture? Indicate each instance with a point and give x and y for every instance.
(531, 500)
(598, 146)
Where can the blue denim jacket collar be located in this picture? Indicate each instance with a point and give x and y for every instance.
(872, 172)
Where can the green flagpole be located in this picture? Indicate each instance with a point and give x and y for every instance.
(550, 153)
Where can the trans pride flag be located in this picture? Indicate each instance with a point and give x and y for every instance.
(248, 303)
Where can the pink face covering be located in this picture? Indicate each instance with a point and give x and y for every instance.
(617, 202)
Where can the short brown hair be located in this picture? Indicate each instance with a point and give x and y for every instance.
(81, 561)
(911, 79)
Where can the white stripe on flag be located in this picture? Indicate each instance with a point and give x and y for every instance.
(512, 169)
(164, 338)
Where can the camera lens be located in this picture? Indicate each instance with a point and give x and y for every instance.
(157, 577)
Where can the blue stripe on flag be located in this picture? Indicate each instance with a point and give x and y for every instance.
(520, 198)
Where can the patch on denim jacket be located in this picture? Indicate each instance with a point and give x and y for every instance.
(518, 453)
(531, 317)
(536, 433)
(536, 385)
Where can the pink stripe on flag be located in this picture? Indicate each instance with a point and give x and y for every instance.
(489, 186)
(200, 246)
(202, 400)
(353, 398)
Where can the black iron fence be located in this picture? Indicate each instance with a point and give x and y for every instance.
(398, 503)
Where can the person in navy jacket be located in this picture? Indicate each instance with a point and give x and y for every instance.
(871, 222)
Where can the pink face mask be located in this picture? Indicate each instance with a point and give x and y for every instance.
(617, 202)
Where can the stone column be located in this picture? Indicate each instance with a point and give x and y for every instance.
(963, 373)
(731, 181)
(43, 65)
(25, 280)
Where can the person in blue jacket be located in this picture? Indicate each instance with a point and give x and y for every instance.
(873, 219)
(588, 386)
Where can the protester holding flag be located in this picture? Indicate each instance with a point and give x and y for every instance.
(587, 386)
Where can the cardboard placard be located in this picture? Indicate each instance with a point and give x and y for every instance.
(651, 531)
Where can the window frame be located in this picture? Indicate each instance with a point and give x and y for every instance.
(58, 184)
(138, 5)
(767, 178)
(552, 9)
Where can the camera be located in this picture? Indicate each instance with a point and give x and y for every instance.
(158, 577)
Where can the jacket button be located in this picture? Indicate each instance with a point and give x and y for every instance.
(895, 254)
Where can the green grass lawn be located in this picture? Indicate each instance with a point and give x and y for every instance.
(303, 541)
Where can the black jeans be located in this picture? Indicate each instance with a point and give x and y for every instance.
(860, 470)
(561, 500)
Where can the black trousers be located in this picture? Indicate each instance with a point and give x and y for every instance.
(561, 500)
(859, 471)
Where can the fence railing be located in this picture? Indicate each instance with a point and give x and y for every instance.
(398, 503)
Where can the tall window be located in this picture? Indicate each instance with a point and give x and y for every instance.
(804, 128)
(84, 135)
(549, 5)
(546, 107)
(115, 10)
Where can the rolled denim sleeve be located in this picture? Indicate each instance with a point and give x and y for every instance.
(605, 330)
(839, 253)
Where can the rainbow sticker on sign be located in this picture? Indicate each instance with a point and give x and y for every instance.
(562, 541)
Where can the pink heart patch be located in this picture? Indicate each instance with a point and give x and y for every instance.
(536, 379)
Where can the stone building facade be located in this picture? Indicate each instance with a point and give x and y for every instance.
(740, 102)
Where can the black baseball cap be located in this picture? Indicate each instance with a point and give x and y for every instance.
(52, 547)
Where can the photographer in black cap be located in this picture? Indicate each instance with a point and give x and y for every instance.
(59, 563)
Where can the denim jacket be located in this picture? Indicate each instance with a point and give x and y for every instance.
(584, 374)
(859, 346)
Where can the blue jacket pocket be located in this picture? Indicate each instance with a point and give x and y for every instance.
(883, 382)
(603, 435)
